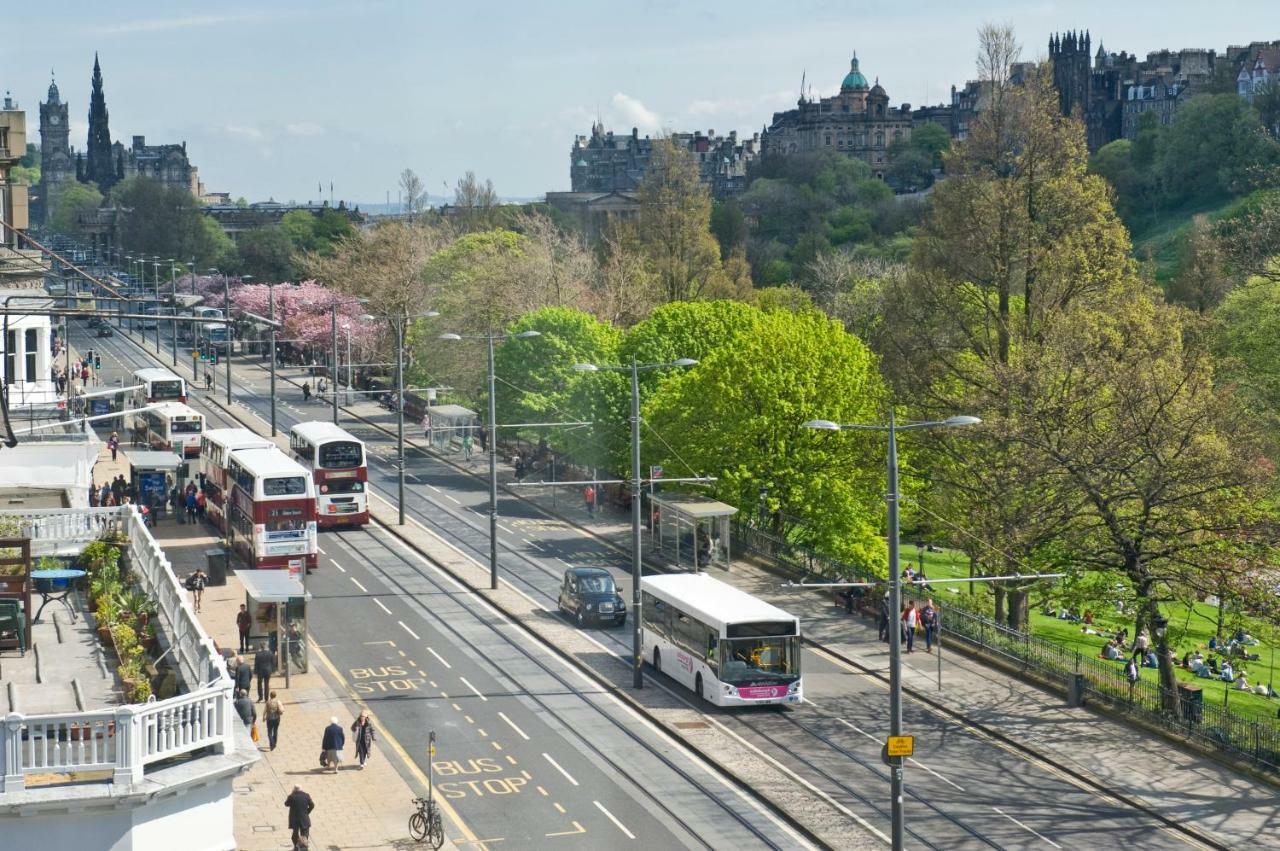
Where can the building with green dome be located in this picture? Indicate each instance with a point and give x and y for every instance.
(857, 121)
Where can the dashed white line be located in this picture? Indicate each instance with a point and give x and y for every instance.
(340, 567)
(380, 606)
(439, 658)
(406, 629)
(321, 549)
(451, 499)
(358, 585)
(513, 726)
(566, 774)
(1027, 829)
(614, 819)
(474, 690)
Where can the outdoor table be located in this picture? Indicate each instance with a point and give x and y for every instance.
(55, 585)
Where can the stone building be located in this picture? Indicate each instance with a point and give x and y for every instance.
(604, 162)
(857, 122)
(13, 196)
(103, 162)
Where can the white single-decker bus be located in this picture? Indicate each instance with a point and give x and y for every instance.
(729, 647)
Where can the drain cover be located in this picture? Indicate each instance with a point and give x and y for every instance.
(691, 725)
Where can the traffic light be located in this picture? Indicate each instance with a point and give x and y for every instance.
(97, 361)
(213, 357)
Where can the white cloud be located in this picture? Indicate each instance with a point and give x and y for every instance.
(630, 112)
(151, 25)
(735, 107)
(246, 132)
(304, 128)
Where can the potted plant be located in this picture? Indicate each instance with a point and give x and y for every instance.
(107, 614)
(137, 607)
(104, 582)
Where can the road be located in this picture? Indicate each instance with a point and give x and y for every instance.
(530, 753)
(970, 793)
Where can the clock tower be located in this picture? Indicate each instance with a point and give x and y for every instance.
(57, 163)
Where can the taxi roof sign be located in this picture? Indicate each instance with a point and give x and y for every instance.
(899, 746)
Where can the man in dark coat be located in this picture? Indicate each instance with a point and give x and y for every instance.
(334, 740)
(300, 806)
(264, 662)
(245, 708)
(244, 674)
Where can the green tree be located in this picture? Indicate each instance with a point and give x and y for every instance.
(739, 414)
(931, 138)
(675, 224)
(729, 227)
(1267, 102)
(69, 203)
(1245, 329)
(267, 254)
(1209, 151)
(1202, 280)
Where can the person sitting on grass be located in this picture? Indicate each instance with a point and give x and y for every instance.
(1110, 651)
(1199, 668)
(1242, 682)
(1149, 660)
(1226, 674)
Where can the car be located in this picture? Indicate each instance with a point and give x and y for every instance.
(589, 595)
(105, 331)
(95, 321)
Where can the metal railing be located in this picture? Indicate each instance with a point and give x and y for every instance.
(123, 740)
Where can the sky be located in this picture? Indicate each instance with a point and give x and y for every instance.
(280, 99)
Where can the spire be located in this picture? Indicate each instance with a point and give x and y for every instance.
(53, 89)
(99, 165)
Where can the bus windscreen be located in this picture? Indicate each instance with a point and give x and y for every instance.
(340, 455)
(166, 390)
(185, 427)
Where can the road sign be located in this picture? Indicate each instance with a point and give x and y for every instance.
(899, 746)
(655, 471)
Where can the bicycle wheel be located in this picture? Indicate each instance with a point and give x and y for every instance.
(437, 830)
(418, 826)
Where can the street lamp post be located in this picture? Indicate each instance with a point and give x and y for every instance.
(333, 350)
(271, 353)
(173, 312)
(156, 303)
(895, 596)
(489, 337)
(637, 645)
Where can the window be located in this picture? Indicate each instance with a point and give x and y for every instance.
(284, 486)
(33, 345)
(879, 139)
(161, 390)
(760, 660)
(185, 427)
(340, 454)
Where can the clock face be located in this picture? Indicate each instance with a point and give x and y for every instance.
(54, 119)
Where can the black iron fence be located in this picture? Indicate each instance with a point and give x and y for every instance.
(1184, 713)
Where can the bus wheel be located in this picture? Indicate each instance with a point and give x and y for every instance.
(697, 686)
(657, 660)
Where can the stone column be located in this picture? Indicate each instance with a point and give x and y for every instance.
(11, 753)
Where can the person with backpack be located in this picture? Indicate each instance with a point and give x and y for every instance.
(929, 620)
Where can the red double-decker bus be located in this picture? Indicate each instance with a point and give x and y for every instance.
(216, 448)
(336, 460)
(272, 514)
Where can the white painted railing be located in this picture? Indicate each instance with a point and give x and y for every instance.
(125, 739)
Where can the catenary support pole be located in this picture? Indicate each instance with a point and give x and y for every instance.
(637, 647)
(895, 642)
(493, 470)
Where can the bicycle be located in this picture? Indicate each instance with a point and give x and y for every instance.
(426, 823)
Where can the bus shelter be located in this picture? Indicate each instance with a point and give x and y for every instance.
(154, 473)
(277, 605)
(691, 530)
(446, 425)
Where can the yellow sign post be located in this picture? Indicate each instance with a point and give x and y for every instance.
(900, 746)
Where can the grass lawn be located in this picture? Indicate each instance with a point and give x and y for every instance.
(1194, 628)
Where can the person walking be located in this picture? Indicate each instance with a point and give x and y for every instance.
(244, 708)
(208, 379)
(322, 387)
(244, 674)
(113, 443)
(362, 732)
(1140, 644)
(929, 619)
(200, 504)
(466, 448)
(273, 712)
(197, 584)
(306, 391)
(300, 805)
(910, 617)
(243, 622)
(175, 503)
(332, 744)
(589, 495)
(264, 664)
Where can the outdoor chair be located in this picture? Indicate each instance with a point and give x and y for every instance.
(13, 620)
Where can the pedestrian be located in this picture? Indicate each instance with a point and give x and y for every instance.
(192, 505)
(484, 439)
(200, 504)
(362, 731)
(910, 617)
(426, 428)
(321, 387)
(264, 663)
(466, 448)
(242, 626)
(306, 391)
(589, 494)
(332, 743)
(245, 708)
(244, 674)
(93, 494)
(884, 618)
(113, 443)
(300, 805)
(1140, 644)
(929, 618)
(273, 712)
(208, 379)
(196, 583)
(520, 468)
(175, 503)
(117, 488)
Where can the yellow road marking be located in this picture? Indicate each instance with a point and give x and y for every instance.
(580, 829)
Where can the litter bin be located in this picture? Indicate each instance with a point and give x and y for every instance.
(1075, 690)
(216, 566)
(1191, 699)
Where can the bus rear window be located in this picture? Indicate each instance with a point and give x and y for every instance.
(185, 427)
(284, 486)
(166, 390)
(340, 454)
